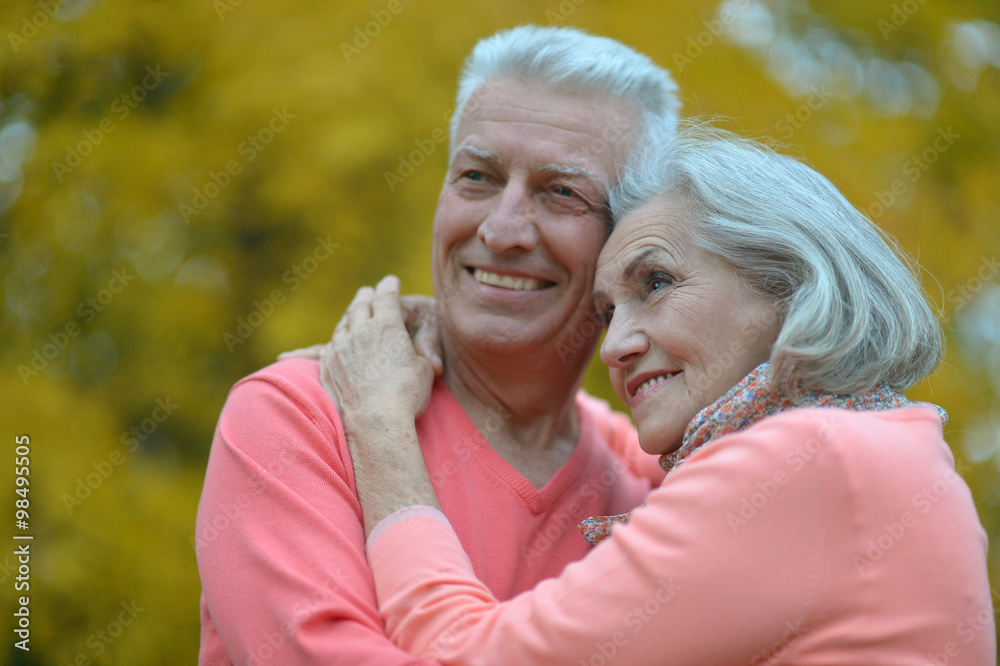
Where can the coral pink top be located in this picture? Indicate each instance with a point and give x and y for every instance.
(279, 537)
(817, 536)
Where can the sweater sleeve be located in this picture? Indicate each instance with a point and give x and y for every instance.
(279, 537)
(690, 580)
(618, 431)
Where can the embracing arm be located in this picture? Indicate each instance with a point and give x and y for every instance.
(683, 583)
(380, 385)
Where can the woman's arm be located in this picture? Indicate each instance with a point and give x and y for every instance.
(380, 385)
(688, 581)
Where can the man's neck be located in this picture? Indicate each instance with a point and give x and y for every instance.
(523, 404)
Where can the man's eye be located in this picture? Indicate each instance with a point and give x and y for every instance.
(563, 191)
(474, 175)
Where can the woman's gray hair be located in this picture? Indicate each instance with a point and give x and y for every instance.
(853, 313)
(572, 60)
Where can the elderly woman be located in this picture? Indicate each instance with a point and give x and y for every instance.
(761, 330)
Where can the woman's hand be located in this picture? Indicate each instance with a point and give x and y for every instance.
(370, 368)
(421, 318)
(380, 385)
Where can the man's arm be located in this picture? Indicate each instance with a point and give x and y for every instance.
(279, 537)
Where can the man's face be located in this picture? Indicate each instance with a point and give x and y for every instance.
(523, 215)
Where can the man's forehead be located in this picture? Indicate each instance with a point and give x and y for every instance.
(604, 123)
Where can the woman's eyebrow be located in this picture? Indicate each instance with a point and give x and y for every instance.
(633, 265)
(630, 270)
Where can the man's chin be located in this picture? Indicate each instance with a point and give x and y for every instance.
(499, 332)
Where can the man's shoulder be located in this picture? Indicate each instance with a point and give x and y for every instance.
(282, 413)
(302, 373)
(292, 382)
(282, 395)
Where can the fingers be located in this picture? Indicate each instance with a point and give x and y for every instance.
(360, 309)
(385, 302)
(427, 342)
(381, 302)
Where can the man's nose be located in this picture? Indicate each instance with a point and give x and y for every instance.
(512, 222)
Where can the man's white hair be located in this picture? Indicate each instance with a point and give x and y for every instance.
(576, 62)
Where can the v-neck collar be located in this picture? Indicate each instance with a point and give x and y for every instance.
(536, 500)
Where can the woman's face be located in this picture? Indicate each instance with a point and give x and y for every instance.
(683, 327)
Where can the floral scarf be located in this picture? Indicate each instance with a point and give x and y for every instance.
(750, 401)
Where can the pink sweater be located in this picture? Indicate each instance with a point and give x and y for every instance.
(279, 538)
(817, 536)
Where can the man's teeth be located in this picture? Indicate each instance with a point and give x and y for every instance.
(651, 381)
(507, 281)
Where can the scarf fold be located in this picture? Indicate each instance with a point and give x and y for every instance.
(750, 401)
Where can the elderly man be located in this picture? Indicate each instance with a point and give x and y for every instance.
(517, 454)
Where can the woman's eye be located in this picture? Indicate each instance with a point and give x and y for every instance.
(658, 281)
(604, 314)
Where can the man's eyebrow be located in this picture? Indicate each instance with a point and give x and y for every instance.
(493, 158)
(576, 171)
(567, 170)
(485, 155)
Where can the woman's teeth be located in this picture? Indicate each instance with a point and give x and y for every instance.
(652, 381)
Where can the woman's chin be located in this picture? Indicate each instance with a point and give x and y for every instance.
(658, 445)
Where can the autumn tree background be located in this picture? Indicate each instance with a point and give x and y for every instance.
(189, 187)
